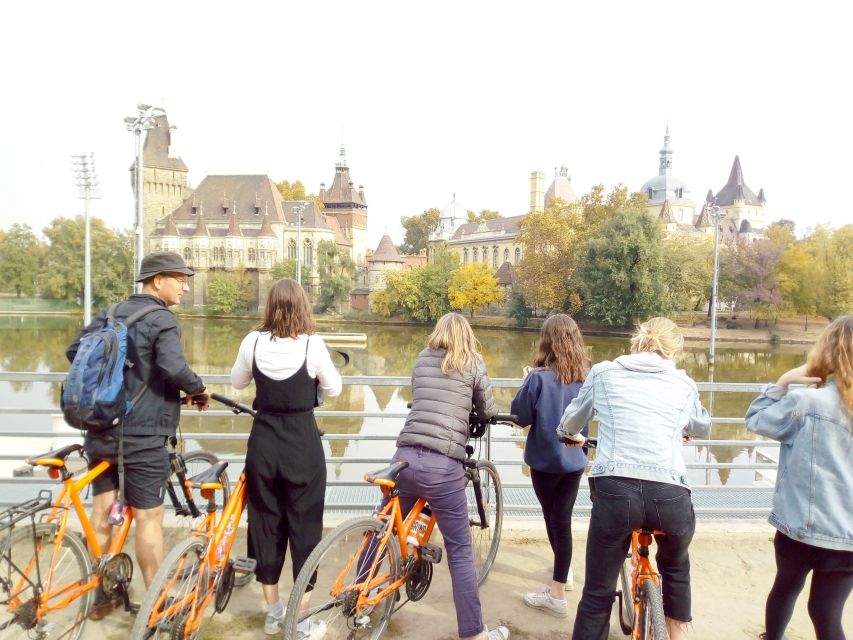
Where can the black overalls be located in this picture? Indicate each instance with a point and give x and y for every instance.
(285, 473)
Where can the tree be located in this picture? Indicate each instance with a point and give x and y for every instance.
(419, 294)
(518, 309)
(748, 277)
(229, 291)
(296, 191)
(597, 208)
(472, 287)
(623, 273)
(61, 275)
(690, 267)
(485, 214)
(336, 269)
(418, 230)
(20, 251)
(284, 269)
(832, 255)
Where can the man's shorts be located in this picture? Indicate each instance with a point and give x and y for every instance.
(146, 467)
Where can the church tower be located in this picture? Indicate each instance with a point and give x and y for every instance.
(164, 179)
(348, 207)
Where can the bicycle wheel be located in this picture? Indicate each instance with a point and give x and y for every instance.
(179, 586)
(338, 569)
(196, 462)
(25, 559)
(652, 619)
(485, 536)
(626, 613)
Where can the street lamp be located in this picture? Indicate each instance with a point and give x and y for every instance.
(87, 180)
(145, 119)
(717, 215)
(298, 208)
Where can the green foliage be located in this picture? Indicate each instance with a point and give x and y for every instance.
(19, 260)
(472, 287)
(229, 292)
(419, 294)
(832, 254)
(418, 230)
(61, 274)
(285, 269)
(485, 214)
(623, 273)
(690, 266)
(336, 269)
(518, 310)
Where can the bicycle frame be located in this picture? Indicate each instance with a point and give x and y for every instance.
(642, 570)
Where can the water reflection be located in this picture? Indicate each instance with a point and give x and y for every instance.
(38, 344)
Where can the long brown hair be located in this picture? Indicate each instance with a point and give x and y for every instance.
(833, 356)
(452, 332)
(561, 349)
(288, 311)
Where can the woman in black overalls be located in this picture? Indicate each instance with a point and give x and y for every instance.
(285, 462)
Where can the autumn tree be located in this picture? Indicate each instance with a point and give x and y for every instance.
(689, 268)
(832, 256)
(418, 230)
(229, 291)
(473, 287)
(419, 294)
(622, 272)
(20, 251)
(748, 277)
(485, 214)
(296, 191)
(336, 269)
(284, 269)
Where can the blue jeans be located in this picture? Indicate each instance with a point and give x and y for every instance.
(621, 505)
(441, 481)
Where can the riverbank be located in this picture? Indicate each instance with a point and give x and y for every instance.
(732, 571)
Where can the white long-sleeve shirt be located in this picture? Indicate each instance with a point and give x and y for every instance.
(280, 358)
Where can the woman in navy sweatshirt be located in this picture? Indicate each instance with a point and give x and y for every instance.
(555, 469)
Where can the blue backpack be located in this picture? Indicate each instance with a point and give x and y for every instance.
(93, 396)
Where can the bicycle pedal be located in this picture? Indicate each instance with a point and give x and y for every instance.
(245, 565)
(132, 608)
(431, 553)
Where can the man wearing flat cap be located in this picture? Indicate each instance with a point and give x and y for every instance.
(158, 374)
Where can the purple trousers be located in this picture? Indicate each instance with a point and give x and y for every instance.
(441, 481)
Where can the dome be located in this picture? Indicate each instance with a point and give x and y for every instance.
(666, 187)
(452, 217)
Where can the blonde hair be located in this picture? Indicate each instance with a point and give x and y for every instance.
(833, 356)
(561, 349)
(452, 332)
(658, 335)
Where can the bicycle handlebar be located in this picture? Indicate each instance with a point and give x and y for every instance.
(590, 443)
(236, 407)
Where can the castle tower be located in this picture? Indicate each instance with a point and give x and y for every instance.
(739, 202)
(537, 191)
(348, 207)
(666, 186)
(164, 179)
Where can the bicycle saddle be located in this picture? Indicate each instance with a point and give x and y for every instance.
(386, 476)
(55, 458)
(209, 478)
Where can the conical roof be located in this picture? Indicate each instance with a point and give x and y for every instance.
(736, 188)
(233, 225)
(386, 251)
(666, 216)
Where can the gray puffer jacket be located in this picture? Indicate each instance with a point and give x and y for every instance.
(441, 404)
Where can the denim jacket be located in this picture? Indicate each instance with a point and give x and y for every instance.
(643, 405)
(814, 481)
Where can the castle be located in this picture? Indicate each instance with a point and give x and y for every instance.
(241, 222)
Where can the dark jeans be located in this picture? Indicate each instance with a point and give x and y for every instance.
(556, 493)
(441, 480)
(621, 505)
(832, 582)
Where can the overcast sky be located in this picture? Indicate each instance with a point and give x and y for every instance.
(432, 98)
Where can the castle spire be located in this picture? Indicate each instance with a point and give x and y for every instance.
(665, 155)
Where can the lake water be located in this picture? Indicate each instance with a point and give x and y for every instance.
(38, 344)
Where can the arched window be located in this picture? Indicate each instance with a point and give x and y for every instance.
(517, 255)
(217, 254)
(506, 255)
(291, 249)
(485, 255)
(465, 256)
(307, 253)
(188, 254)
(474, 252)
(251, 254)
(495, 257)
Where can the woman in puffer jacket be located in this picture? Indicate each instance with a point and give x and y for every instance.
(449, 377)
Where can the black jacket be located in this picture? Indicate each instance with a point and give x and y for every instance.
(154, 349)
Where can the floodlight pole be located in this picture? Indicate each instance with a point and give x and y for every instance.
(84, 171)
(717, 215)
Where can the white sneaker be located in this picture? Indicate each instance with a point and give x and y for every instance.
(316, 631)
(570, 581)
(498, 633)
(273, 625)
(543, 600)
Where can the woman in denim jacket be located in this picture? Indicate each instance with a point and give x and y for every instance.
(644, 405)
(812, 509)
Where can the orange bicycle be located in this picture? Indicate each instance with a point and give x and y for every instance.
(640, 601)
(48, 573)
(199, 572)
(352, 580)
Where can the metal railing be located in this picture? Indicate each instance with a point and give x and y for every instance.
(728, 500)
